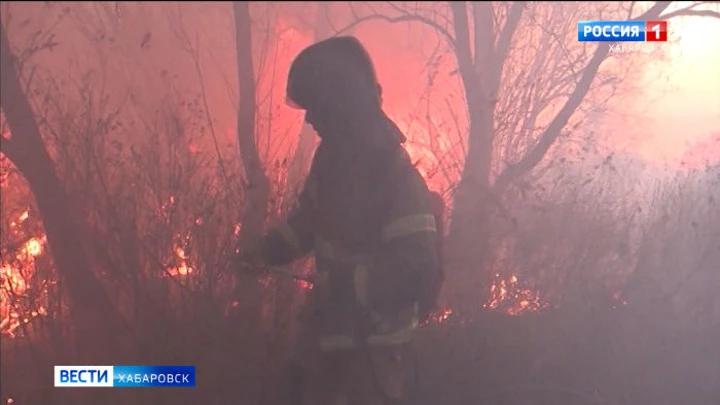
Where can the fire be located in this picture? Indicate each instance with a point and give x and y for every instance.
(182, 268)
(442, 315)
(438, 317)
(12, 281)
(14, 274)
(33, 247)
(180, 253)
(507, 295)
(9, 324)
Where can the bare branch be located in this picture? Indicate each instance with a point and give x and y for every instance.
(630, 9)
(687, 12)
(502, 48)
(692, 10)
(25, 131)
(483, 33)
(655, 10)
(258, 183)
(506, 34)
(548, 137)
(405, 17)
(462, 48)
(554, 129)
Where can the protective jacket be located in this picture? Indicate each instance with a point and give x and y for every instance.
(368, 217)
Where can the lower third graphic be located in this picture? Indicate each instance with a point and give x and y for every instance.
(124, 376)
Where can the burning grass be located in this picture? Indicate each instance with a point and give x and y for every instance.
(509, 296)
(20, 304)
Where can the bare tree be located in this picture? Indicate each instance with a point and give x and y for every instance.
(258, 185)
(300, 161)
(96, 320)
(524, 84)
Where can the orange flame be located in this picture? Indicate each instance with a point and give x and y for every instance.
(508, 296)
(13, 283)
(182, 268)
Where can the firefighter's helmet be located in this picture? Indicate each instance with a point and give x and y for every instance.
(336, 71)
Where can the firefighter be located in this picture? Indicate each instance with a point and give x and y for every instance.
(367, 214)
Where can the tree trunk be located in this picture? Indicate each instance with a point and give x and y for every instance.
(468, 253)
(307, 140)
(258, 184)
(481, 56)
(97, 322)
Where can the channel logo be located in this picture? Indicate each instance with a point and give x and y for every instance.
(124, 376)
(622, 31)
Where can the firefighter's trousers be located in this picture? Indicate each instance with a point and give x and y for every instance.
(360, 376)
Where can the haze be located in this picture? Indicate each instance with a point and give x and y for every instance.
(685, 109)
(144, 144)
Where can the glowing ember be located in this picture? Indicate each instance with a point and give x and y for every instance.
(12, 281)
(439, 317)
(182, 268)
(180, 252)
(508, 296)
(33, 247)
(10, 323)
(443, 315)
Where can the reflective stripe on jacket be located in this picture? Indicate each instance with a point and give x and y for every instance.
(397, 245)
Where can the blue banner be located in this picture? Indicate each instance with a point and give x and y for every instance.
(124, 376)
(153, 376)
(611, 31)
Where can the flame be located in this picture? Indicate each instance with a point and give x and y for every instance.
(165, 208)
(508, 296)
(438, 317)
(182, 268)
(442, 315)
(12, 281)
(9, 324)
(14, 273)
(180, 253)
(33, 247)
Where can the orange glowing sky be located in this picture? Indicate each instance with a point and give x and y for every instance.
(685, 109)
(678, 105)
(661, 124)
(677, 108)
